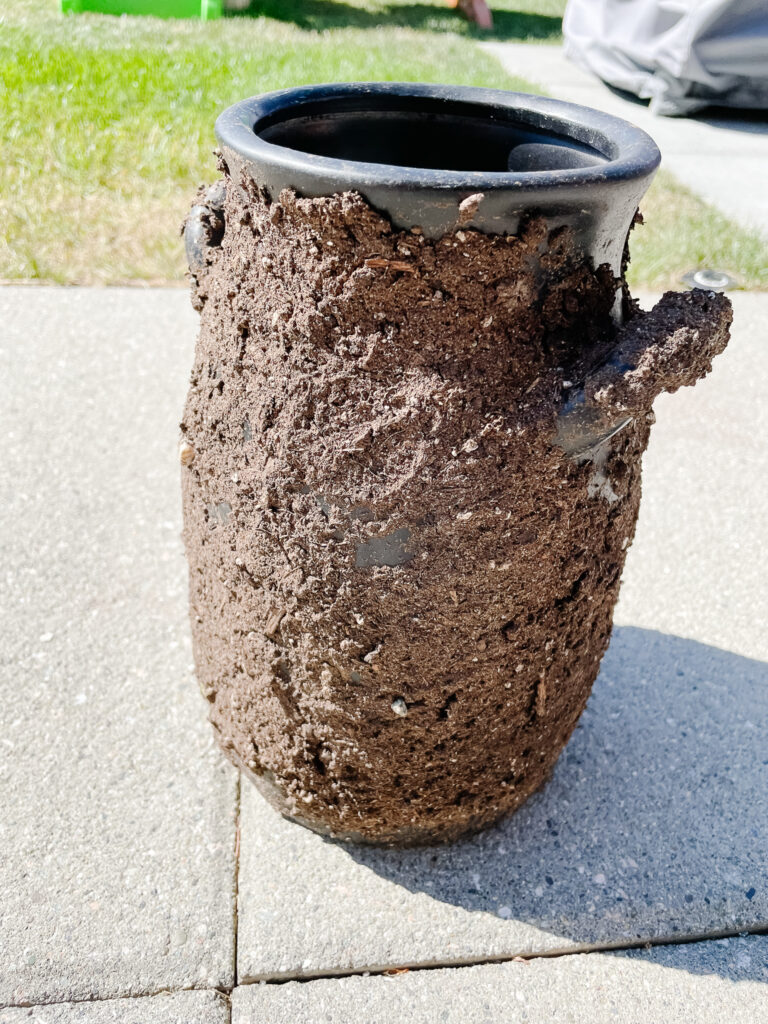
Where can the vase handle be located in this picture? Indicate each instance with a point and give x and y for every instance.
(203, 229)
(671, 346)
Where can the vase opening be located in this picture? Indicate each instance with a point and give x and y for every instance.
(431, 133)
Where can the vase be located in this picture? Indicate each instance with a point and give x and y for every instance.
(411, 449)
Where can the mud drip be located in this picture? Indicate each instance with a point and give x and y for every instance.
(402, 571)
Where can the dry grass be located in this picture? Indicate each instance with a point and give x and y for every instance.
(681, 232)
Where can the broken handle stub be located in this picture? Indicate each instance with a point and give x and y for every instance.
(204, 227)
(671, 346)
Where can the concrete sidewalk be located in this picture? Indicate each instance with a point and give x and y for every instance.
(138, 883)
(723, 157)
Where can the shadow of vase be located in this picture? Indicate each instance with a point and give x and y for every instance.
(654, 824)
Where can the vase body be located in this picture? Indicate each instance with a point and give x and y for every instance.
(401, 584)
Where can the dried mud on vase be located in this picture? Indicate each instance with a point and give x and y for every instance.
(412, 445)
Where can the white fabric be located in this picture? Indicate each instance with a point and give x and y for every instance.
(681, 55)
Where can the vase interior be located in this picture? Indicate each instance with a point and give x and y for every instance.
(431, 133)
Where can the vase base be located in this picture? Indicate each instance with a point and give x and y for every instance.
(401, 837)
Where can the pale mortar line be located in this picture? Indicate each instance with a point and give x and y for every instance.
(373, 972)
(503, 958)
(224, 992)
(236, 880)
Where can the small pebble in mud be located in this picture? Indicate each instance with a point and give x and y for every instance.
(400, 707)
(274, 618)
(186, 454)
(469, 207)
(368, 658)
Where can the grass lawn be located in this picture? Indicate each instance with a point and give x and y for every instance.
(108, 125)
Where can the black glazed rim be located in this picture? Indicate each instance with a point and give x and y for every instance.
(630, 154)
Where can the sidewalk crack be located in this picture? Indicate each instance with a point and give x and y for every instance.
(552, 954)
(236, 879)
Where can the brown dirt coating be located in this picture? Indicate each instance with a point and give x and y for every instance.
(364, 395)
(666, 349)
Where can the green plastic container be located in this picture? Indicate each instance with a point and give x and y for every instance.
(205, 9)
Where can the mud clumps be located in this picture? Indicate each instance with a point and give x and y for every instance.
(401, 587)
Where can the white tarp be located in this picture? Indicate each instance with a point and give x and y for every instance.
(682, 55)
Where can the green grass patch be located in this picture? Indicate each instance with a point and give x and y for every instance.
(517, 20)
(108, 125)
(681, 232)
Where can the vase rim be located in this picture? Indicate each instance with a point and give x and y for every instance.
(623, 153)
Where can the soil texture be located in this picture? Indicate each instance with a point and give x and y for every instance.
(401, 587)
